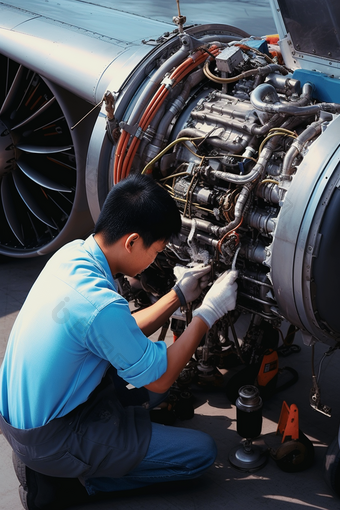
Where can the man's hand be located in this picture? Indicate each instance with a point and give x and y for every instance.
(220, 299)
(190, 282)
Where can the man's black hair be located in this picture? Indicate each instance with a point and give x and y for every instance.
(138, 204)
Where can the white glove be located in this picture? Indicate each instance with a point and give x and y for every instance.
(190, 282)
(220, 299)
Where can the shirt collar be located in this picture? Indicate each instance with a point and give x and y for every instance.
(91, 245)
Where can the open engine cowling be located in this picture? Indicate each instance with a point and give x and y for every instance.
(251, 159)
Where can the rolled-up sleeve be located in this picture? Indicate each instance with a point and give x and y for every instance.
(149, 367)
(114, 335)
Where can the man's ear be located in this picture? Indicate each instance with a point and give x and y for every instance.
(130, 240)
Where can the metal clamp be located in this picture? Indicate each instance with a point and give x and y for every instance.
(167, 82)
(134, 130)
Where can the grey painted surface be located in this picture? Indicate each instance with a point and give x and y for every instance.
(254, 17)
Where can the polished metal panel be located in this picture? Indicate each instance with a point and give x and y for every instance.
(80, 46)
(295, 236)
(97, 21)
(11, 17)
(87, 78)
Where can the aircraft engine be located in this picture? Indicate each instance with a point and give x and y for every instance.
(249, 150)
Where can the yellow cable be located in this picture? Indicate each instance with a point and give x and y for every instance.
(172, 144)
(174, 175)
(271, 136)
(171, 191)
(270, 180)
(283, 130)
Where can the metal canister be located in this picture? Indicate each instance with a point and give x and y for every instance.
(249, 412)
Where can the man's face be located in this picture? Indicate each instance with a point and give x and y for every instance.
(142, 257)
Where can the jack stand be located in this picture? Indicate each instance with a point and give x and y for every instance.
(295, 452)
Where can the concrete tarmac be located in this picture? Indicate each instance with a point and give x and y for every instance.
(223, 486)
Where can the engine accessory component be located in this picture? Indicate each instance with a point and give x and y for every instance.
(229, 59)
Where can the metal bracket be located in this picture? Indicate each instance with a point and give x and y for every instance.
(315, 399)
(134, 130)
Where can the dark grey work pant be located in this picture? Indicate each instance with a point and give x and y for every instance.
(99, 438)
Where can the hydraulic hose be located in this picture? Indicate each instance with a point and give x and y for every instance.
(261, 71)
(309, 133)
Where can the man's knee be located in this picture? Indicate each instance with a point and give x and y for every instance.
(208, 450)
(203, 451)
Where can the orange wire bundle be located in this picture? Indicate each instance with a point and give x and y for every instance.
(125, 154)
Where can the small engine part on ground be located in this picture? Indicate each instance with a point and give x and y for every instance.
(247, 456)
(268, 373)
(178, 405)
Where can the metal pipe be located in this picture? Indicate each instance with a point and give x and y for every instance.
(225, 145)
(309, 133)
(274, 105)
(254, 251)
(238, 211)
(261, 220)
(269, 191)
(252, 176)
(265, 90)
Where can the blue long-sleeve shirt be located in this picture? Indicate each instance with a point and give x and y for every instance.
(71, 328)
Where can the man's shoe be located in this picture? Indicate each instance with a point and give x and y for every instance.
(42, 492)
